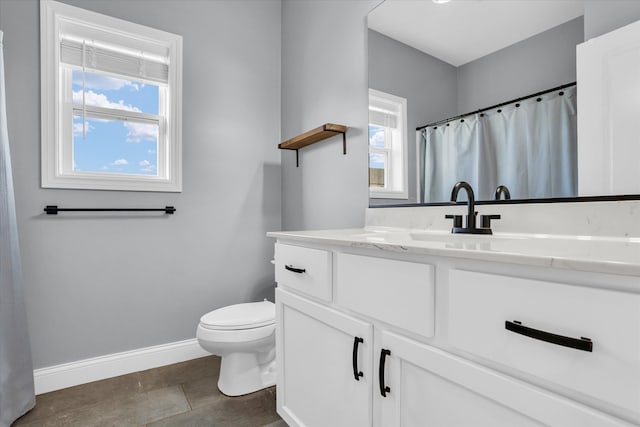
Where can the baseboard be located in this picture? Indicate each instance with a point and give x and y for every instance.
(112, 365)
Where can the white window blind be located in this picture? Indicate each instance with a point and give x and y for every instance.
(384, 119)
(110, 51)
(103, 57)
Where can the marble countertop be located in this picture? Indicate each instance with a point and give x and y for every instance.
(613, 255)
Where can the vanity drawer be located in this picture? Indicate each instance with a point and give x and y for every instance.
(399, 293)
(484, 310)
(304, 270)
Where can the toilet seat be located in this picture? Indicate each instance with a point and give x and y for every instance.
(234, 335)
(240, 317)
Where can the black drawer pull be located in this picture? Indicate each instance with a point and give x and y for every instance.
(356, 372)
(295, 270)
(582, 343)
(383, 388)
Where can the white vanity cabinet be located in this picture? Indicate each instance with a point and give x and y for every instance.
(424, 358)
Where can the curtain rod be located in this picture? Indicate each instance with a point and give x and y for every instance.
(54, 209)
(502, 104)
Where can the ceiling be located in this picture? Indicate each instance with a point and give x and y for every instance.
(464, 30)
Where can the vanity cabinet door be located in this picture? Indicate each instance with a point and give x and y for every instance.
(430, 387)
(320, 353)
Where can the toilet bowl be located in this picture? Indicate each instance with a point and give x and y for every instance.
(243, 335)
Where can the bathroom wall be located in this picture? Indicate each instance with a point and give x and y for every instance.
(324, 79)
(602, 16)
(535, 64)
(100, 284)
(428, 84)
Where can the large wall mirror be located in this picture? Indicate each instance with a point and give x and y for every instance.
(435, 70)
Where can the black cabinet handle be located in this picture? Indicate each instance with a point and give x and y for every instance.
(582, 343)
(295, 270)
(383, 388)
(356, 372)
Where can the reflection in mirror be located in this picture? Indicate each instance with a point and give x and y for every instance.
(530, 148)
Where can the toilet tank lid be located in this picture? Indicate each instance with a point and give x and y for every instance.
(246, 315)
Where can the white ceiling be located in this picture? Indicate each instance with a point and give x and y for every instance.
(464, 30)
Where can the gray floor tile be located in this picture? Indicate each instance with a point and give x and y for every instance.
(179, 373)
(256, 409)
(120, 411)
(203, 391)
(184, 394)
(49, 405)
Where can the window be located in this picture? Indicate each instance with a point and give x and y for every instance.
(387, 146)
(111, 102)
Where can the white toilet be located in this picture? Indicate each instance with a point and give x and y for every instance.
(243, 335)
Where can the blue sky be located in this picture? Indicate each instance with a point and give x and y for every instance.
(376, 139)
(115, 146)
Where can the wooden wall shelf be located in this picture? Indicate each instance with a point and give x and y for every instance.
(315, 135)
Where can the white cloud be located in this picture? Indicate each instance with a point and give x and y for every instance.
(120, 162)
(147, 166)
(101, 100)
(151, 151)
(377, 140)
(137, 132)
(77, 128)
(98, 81)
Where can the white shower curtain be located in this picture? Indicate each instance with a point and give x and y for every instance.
(531, 148)
(16, 371)
(451, 154)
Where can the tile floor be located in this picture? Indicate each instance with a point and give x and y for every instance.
(184, 394)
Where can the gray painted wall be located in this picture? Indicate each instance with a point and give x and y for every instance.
(602, 16)
(100, 284)
(538, 63)
(324, 75)
(428, 84)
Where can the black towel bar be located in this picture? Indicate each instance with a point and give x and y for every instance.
(54, 209)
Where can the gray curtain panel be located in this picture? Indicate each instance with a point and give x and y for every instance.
(16, 369)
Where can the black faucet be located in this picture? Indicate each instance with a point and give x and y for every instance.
(471, 213)
(471, 209)
(502, 189)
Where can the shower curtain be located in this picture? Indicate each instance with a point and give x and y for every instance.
(531, 147)
(16, 370)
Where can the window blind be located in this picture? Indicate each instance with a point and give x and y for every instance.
(381, 118)
(114, 59)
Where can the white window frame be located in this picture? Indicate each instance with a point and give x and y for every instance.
(396, 175)
(57, 109)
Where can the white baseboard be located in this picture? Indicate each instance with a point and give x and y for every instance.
(113, 365)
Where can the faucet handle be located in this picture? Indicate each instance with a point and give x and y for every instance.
(486, 220)
(457, 220)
